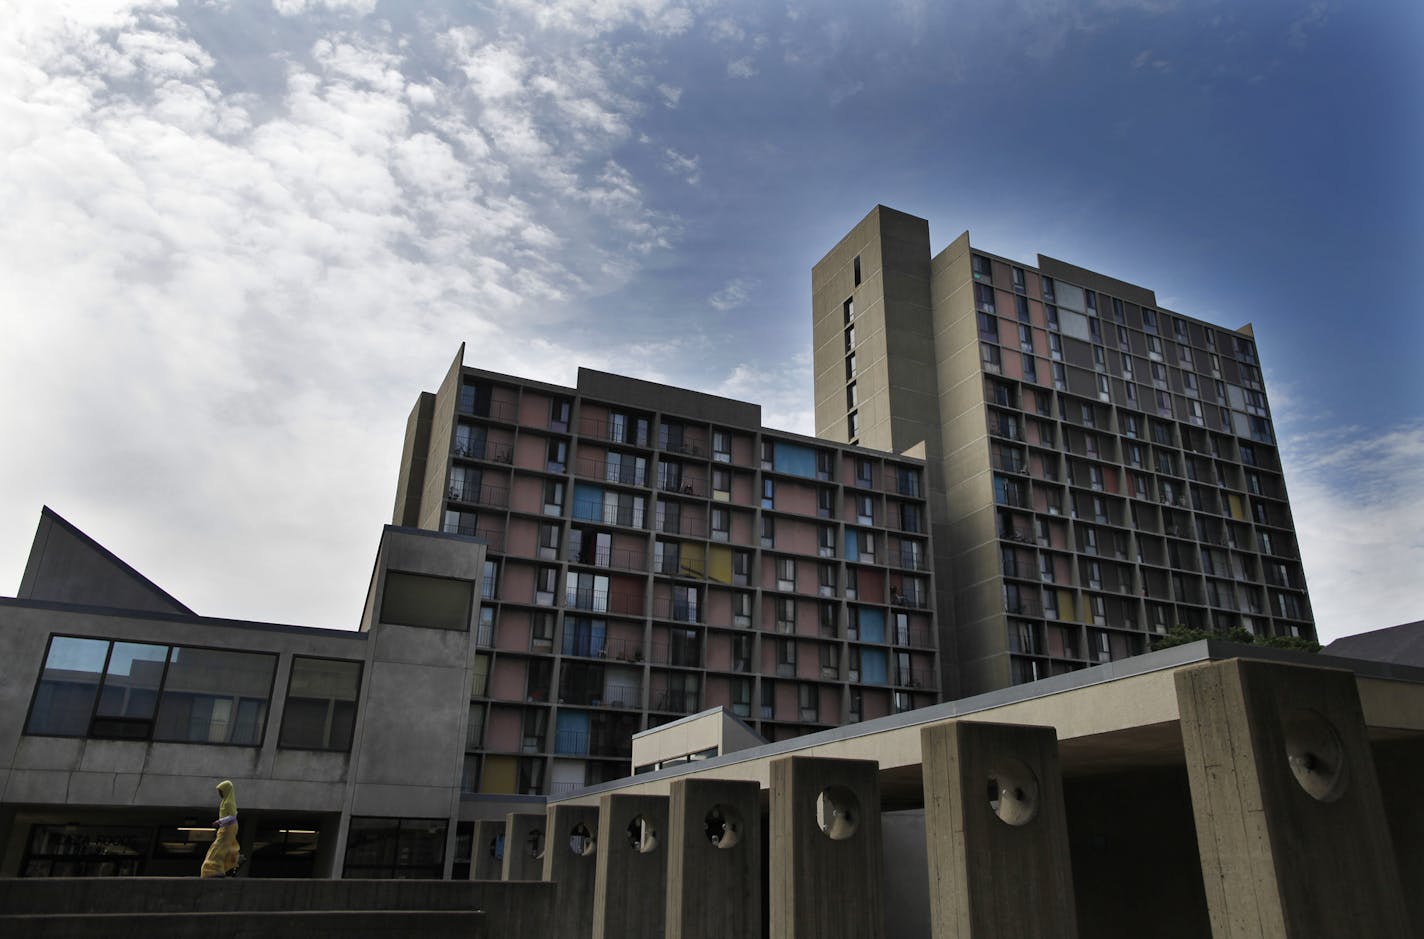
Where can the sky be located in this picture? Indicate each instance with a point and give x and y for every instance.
(238, 239)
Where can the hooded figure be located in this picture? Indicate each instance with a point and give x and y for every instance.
(223, 859)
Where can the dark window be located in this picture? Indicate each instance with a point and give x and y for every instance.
(395, 848)
(215, 696)
(423, 600)
(320, 712)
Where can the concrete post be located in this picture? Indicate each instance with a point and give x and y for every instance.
(570, 861)
(996, 832)
(487, 849)
(1290, 823)
(630, 893)
(827, 869)
(714, 860)
(524, 845)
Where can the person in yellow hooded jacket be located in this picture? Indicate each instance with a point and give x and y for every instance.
(223, 858)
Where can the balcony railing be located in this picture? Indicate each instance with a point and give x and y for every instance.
(604, 601)
(677, 609)
(688, 446)
(491, 536)
(678, 702)
(915, 678)
(626, 516)
(611, 473)
(497, 496)
(494, 452)
(627, 432)
(684, 486)
(915, 636)
(680, 654)
(625, 559)
(499, 410)
(912, 600)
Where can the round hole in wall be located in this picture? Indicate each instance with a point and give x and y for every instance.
(1316, 755)
(837, 812)
(642, 836)
(723, 826)
(581, 840)
(1012, 791)
(534, 844)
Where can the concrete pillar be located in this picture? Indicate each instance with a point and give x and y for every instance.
(827, 870)
(487, 850)
(630, 894)
(996, 832)
(570, 861)
(714, 860)
(1290, 823)
(524, 845)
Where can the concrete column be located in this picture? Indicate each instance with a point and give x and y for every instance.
(524, 846)
(827, 869)
(486, 851)
(714, 860)
(630, 893)
(570, 862)
(1290, 823)
(996, 832)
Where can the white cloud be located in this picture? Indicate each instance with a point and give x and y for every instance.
(1311, 19)
(230, 299)
(733, 295)
(741, 68)
(1358, 502)
(680, 164)
(784, 393)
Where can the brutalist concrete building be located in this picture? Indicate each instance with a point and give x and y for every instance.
(1101, 469)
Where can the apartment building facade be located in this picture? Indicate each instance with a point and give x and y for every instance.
(653, 552)
(1100, 469)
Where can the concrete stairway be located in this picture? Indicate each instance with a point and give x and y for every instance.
(158, 908)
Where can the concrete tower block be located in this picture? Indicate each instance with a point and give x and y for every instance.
(1290, 823)
(486, 862)
(630, 894)
(714, 887)
(827, 869)
(524, 846)
(996, 832)
(570, 862)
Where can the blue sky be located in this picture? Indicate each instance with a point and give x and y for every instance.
(238, 238)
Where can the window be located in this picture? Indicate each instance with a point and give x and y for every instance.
(768, 531)
(785, 615)
(785, 573)
(982, 269)
(741, 568)
(988, 326)
(864, 474)
(1021, 309)
(810, 699)
(722, 485)
(786, 657)
(850, 366)
(548, 542)
(910, 518)
(1149, 320)
(827, 577)
(825, 503)
(546, 585)
(1019, 279)
(826, 541)
(768, 454)
(989, 357)
(721, 446)
(541, 637)
(849, 309)
(830, 661)
(768, 494)
(865, 510)
(558, 457)
(1060, 379)
(553, 497)
(853, 421)
(721, 525)
(1055, 346)
(855, 269)
(138, 691)
(741, 609)
(852, 397)
(320, 712)
(1030, 368)
(387, 848)
(984, 298)
(850, 339)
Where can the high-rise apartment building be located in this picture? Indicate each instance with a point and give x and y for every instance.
(654, 551)
(1100, 469)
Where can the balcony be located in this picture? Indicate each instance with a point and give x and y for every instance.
(912, 600)
(677, 702)
(490, 536)
(611, 472)
(623, 559)
(496, 496)
(680, 654)
(497, 410)
(684, 486)
(493, 452)
(915, 678)
(604, 601)
(678, 609)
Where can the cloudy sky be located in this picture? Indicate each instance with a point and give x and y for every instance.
(237, 238)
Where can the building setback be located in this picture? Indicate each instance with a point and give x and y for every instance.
(655, 551)
(1100, 469)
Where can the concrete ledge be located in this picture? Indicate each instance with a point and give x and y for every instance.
(325, 924)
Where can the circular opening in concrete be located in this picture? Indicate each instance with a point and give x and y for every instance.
(1013, 791)
(581, 840)
(723, 826)
(837, 812)
(534, 844)
(1316, 755)
(642, 836)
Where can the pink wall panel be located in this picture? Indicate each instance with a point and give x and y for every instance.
(512, 630)
(503, 731)
(507, 680)
(528, 494)
(534, 409)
